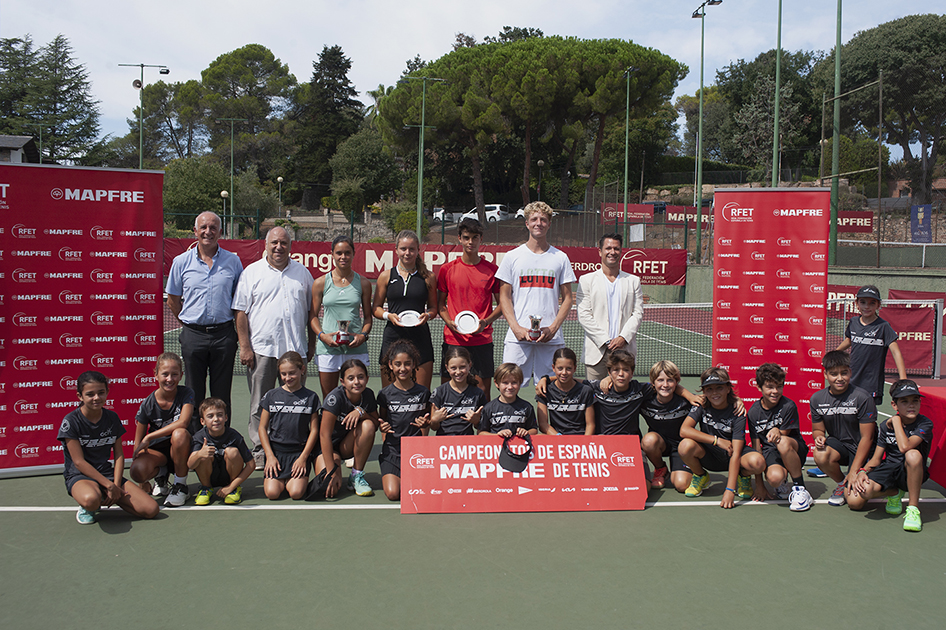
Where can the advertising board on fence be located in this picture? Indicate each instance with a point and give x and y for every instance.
(653, 266)
(771, 269)
(566, 474)
(80, 290)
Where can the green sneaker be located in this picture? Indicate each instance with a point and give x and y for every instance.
(894, 503)
(911, 520)
(697, 485)
(84, 517)
(357, 483)
(744, 487)
(203, 496)
(235, 497)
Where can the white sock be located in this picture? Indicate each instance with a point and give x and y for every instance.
(355, 471)
(180, 479)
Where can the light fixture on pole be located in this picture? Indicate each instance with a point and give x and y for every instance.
(776, 163)
(223, 195)
(279, 181)
(700, 14)
(420, 146)
(232, 201)
(627, 121)
(836, 148)
(540, 164)
(139, 84)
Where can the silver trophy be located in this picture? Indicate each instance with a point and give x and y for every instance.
(343, 337)
(535, 332)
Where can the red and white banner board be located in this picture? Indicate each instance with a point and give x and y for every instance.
(652, 266)
(842, 310)
(637, 212)
(80, 290)
(771, 269)
(915, 327)
(566, 474)
(855, 221)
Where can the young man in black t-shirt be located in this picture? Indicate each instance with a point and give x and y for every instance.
(508, 415)
(899, 461)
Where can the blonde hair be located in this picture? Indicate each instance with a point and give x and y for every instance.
(419, 263)
(508, 369)
(538, 206)
(667, 367)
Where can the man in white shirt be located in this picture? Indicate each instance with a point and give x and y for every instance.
(610, 309)
(534, 276)
(272, 304)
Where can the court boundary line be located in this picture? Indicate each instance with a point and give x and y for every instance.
(11, 509)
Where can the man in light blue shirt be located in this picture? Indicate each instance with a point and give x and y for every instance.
(200, 290)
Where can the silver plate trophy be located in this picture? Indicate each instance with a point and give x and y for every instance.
(535, 332)
(343, 337)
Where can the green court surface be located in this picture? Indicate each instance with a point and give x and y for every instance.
(357, 562)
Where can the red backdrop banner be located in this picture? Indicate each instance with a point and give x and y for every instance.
(80, 290)
(639, 212)
(915, 328)
(855, 221)
(566, 474)
(771, 267)
(654, 266)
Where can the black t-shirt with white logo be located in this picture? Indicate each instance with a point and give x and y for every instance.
(783, 416)
(457, 404)
(567, 409)
(617, 413)
(154, 417)
(721, 423)
(887, 438)
(402, 408)
(843, 413)
(869, 352)
(498, 415)
(229, 438)
(96, 439)
(290, 416)
(337, 403)
(665, 419)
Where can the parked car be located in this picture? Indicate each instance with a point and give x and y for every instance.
(494, 212)
(442, 215)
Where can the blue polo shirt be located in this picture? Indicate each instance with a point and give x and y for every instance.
(206, 292)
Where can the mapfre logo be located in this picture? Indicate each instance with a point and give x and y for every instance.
(145, 256)
(102, 362)
(98, 233)
(418, 461)
(101, 277)
(143, 297)
(24, 276)
(621, 460)
(724, 305)
(724, 273)
(782, 337)
(23, 320)
(734, 213)
(722, 336)
(144, 339)
(145, 380)
(783, 306)
(68, 254)
(21, 231)
(69, 298)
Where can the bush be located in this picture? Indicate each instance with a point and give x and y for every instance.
(408, 221)
(329, 202)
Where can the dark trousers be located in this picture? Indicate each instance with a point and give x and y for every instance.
(209, 352)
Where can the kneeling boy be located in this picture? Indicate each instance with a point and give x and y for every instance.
(899, 461)
(219, 456)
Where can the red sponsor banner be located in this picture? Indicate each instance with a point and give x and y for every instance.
(855, 221)
(676, 215)
(915, 328)
(842, 310)
(638, 212)
(770, 262)
(897, 294)
(934, 408)
(81, 290)
(566, 474)
(653, 266)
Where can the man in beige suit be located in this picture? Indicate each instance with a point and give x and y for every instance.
(610, 308)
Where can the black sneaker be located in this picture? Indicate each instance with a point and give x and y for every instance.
(161, 486)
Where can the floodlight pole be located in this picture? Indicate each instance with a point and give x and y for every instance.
(141, 107)
(232, 198)
(778, 90)
(700, 14)
(836, 149)
(420, 147)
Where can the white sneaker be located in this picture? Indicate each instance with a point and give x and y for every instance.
(161, 486)
(784, 490)
(800, 499)
(837, 497)
(177, 496)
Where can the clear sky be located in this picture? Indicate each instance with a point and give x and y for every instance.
(379, 36)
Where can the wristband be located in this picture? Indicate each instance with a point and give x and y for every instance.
(716, 440)
(320, 334)
(384, 315)
(730, 489)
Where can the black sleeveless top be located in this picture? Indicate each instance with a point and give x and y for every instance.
(406, 296)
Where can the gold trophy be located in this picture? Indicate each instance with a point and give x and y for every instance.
(535, 332)
(343, 337)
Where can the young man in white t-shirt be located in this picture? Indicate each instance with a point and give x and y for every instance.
(534, 276)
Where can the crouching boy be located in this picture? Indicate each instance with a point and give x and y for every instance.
(219, 456)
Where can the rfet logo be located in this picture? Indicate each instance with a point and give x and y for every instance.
(782, 337)
(102, 362)
(724, 273)
(621, 460)
(816, 288)
(98, 233)
(641, 266)
(101, 319)
(68, 340)
(783, 274)
(24, 451)
(418, 461)
(143, 297)
(23, 363)
(816, 321)
(70, 298)
(68, 254)
(22, 275)
(815, 384)
(68, 383)
(100, 276)
(757, 256)
(817, 256)
(144, 339)
(757, 319)
(21, 231)
(814, 353)
(722, 336)
(758, 288)
(144, 256)
(145, 380)
(783, 306)
(723, 241)
(756, 351)
(24, 407)
(735, 213)
(785, 242)
(24, 320)
(723, 304)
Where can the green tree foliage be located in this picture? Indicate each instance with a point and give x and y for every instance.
(647, 139)
(911, 52)
(718, 125)
(755, 123)
(350, 195)
(327, 112)
(191, 186)
(363, 156)
(46, 87)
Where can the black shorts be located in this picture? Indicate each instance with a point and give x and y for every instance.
(717, 459)
(390, 457)
(670, 450)
(773, 458)
(219, 477)
(163, 447)
(893, 475)
(484, 365)
(71, 481)
(286, 459)
(846, 450)
(418, 335)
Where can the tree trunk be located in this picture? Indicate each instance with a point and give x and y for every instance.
(565, 179)
(478, 187)
(528, 165)
(599, 140)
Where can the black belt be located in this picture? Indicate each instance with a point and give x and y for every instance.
(211, 327)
